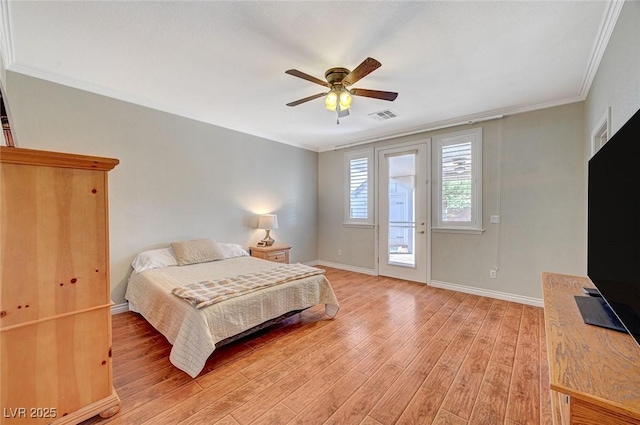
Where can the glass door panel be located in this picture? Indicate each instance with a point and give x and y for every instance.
(402, 212)
(401, 218)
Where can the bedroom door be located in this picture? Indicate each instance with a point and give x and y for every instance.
(402, 204)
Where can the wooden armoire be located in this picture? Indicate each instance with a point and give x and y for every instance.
(55, 303)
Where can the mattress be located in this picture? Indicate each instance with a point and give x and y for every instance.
(194, 332)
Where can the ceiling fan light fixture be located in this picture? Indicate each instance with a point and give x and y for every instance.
(331, 101)
(345, 100)
(338, 96)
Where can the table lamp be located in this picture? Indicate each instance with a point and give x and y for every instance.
(268, 222)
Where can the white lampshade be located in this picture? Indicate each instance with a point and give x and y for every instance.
(268, 221)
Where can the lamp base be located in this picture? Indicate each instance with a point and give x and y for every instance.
(268, 240)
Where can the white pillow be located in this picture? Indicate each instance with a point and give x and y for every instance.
(232, 250)
(153, 259)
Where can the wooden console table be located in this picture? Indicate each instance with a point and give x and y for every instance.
(594, 372)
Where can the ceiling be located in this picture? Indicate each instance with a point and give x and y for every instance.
(224, 62)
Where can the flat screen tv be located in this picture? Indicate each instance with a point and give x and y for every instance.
(613, 253)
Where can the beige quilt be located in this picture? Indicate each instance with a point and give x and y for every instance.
(209, 292)
(194, 332)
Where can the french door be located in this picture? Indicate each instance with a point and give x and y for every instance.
(403, 212)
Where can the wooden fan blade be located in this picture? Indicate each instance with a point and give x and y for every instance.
(376, 94)
(306, 99)
(307, 77)
(365, 68)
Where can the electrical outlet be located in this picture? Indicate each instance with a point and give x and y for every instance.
(494, 219)
(339, 252)
(493, 274)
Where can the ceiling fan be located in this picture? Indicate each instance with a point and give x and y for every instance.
(338, 80)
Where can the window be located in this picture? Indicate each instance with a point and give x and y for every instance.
(600, 135)
(458, 181)
(359, 199)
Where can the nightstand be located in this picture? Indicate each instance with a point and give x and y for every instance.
(277, 252)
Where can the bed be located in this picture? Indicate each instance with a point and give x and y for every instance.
(195, 332)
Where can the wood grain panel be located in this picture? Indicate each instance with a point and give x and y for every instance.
(369, 421)
(505, 349)
(426, 402)
(373, 341)
(227, 420)
(545, 386)
(419, 339)
(274, 394)
(358, 406)
(75, 382)
(337, 339)
(382, 354)
(225, 405)
(464, 390)
(447, 418)
(561, 408)
(329, 401)
(299, 399)
(191, 406)
(591, 364)
(278, 415)
(53, 242)
(411, 303)
(55, 321)
(146, 411)
(588, 414)
(394, 402)
(525, 382)
(55, 159)
(491, 403)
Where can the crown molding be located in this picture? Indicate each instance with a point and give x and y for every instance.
(605, 31)
(129, 98)
(602, 40)
(137, 100)
(6, 44)
(462, 120)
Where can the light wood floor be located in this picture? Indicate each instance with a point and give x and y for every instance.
(397, 353)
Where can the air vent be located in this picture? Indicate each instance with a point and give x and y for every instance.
(387, 114)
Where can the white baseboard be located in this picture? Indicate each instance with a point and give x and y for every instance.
(119, 308)
(536, 302)
(340, 266)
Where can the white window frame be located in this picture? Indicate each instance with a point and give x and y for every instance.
(601, 134)
(475, 225)
(348, 157)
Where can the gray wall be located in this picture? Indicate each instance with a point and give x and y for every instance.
(178, 178)
(617, 82)
(532, 176)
